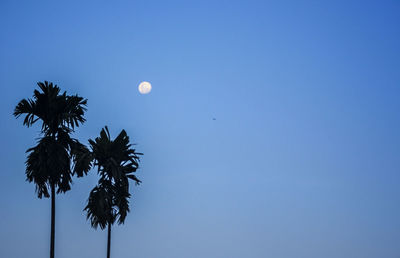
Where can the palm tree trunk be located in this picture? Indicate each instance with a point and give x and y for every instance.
(53, 214)
(109, 240)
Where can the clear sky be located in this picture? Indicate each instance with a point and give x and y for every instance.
(303, 159)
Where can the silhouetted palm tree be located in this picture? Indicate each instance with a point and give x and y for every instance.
(116, 162)
(49, 164)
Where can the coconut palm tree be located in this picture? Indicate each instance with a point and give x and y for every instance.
(51, 164)
(116, 162)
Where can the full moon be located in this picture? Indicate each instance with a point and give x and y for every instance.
(144, 87)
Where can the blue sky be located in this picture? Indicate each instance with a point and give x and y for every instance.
(301, 161)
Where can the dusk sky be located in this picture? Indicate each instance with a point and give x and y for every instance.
(301, 161)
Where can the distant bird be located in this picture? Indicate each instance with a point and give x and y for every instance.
(214, 118)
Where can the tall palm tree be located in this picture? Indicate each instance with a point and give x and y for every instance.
(51, 164)
(116, 162)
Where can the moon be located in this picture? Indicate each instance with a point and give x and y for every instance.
(144, 87)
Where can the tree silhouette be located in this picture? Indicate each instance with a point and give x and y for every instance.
(51, 164)
(116, 162)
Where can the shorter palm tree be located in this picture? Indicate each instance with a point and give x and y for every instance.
(116, 162)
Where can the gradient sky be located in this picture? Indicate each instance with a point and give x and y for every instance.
(303, 159)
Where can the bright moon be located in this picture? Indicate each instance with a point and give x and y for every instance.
(144, 87)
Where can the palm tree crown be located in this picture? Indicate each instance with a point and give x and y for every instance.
(49, 162)
(116, 162)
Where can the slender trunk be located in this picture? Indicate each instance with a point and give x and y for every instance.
(53, 214)
(109, 240)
